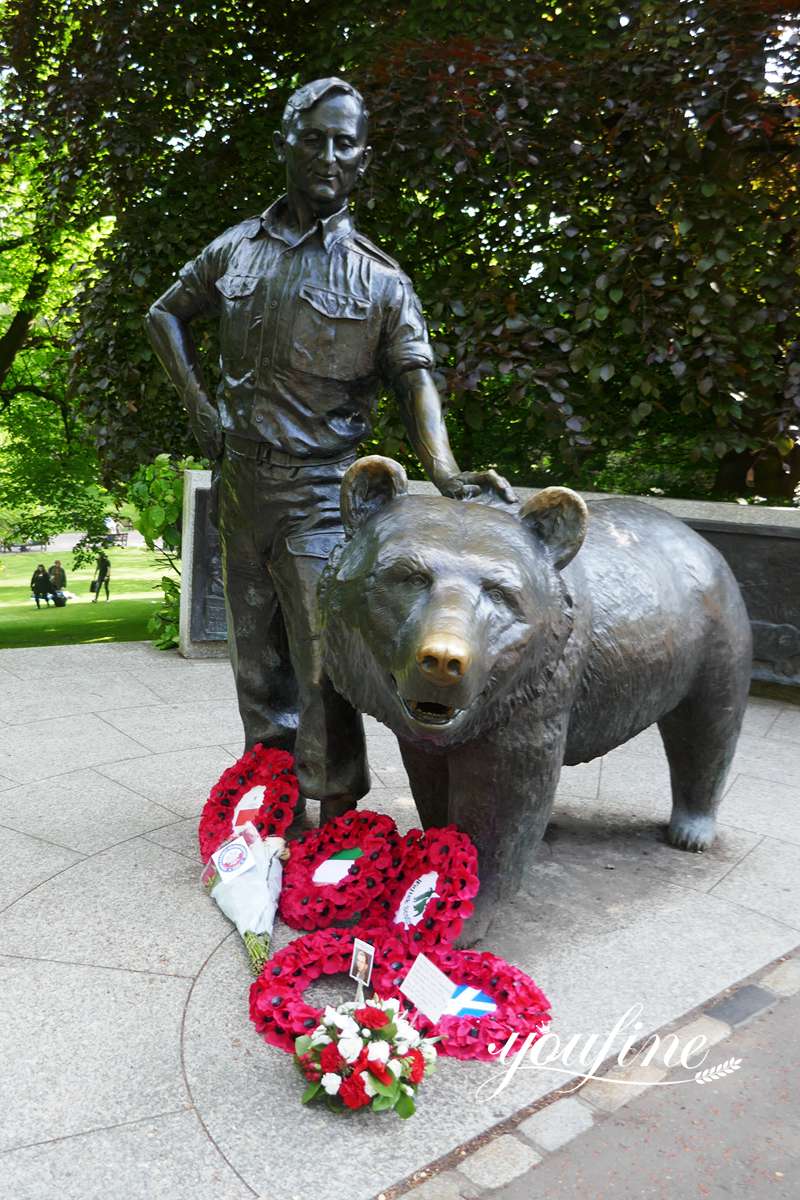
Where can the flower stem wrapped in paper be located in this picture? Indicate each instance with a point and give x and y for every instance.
(244, 877)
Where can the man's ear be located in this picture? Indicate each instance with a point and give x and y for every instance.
(278, 142)
(366, 159)
(369, 485)
(557, 516)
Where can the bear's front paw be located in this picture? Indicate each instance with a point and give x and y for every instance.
(691, 831)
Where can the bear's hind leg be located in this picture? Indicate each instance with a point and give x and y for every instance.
(700, 738)
(429, 779)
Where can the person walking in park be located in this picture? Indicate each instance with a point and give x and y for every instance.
(58, 577)
(102, 575)
(40, 585)
(313, 319)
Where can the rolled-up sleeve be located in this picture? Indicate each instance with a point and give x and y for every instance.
(193, 294)
(405, 334)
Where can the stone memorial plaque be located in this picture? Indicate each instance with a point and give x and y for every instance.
(203, 631)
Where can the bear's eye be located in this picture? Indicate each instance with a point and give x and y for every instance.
(417, 578)
(499, 595)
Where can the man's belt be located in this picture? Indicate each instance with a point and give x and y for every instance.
(265, 453)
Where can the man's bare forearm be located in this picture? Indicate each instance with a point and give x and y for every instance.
(421, 407)
(171, 338)
(423, 417)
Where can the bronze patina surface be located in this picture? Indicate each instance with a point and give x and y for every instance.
(314, 319)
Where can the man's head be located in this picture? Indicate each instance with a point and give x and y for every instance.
(323, 142)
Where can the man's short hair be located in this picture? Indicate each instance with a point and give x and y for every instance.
(311, 93)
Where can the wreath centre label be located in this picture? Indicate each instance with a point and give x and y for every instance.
(248, 807)
(411, 908)
(335, 868)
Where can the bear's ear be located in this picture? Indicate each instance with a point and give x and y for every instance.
(558, 517)
(367, 486)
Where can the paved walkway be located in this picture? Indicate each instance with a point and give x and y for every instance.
(130, 1066)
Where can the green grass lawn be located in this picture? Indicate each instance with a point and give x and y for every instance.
(123, 619)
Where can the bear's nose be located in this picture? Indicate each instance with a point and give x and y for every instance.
(444, 658)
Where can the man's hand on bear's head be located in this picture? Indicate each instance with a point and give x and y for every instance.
(466, 485)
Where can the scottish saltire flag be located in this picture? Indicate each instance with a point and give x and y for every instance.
(469, 1002)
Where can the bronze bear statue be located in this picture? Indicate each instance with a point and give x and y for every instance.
(498, 644)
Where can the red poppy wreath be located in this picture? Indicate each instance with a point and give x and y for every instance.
(277, 1007)
(260, 787)
(490, 1001)
(336, 874)
(431, 894)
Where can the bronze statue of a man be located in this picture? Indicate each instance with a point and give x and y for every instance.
(313, 318)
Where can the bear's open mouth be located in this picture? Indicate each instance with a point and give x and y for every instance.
(428, 712)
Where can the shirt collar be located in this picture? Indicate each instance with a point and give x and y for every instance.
(330, 229)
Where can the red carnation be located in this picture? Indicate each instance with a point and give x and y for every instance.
(371, 1017)
(416, 1067)
(353, 1092)
(380, 1071)
(330, 1059)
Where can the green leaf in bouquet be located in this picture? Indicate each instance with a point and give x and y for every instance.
(405, 1106)
(386, 1034)
(302, 1044)
(390, 1090)
(310, 1092)
(382, 1103)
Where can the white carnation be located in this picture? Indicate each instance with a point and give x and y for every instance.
(369, 1084)
(395, 1066)
(391, 1005)
(406, 1032)
(428, 1051)
(319, 1037)
(377, 1052)
(331, 1083)
(346, 1025)
(402, 1048)
(350, 1047)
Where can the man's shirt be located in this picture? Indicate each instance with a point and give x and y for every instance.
(309, 327)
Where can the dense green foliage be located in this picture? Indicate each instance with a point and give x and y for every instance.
(156, 492)
(597, 203)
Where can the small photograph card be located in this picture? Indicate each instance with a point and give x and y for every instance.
(428, 988)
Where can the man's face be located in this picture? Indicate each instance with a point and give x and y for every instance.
(324, 150)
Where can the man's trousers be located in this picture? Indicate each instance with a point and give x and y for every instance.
(278, 521)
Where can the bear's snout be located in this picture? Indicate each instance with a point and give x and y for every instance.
(443, 658)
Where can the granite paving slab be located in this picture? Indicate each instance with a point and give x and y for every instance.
(212, 680)
(31, 661)
(84, 1048)
(138, 906)
(581, 832)
(88, 812)
(180, 836)
(74, 693)
(165, 1158)
(764, 806)
(41, 749)
(767, 880)
(27, 862)
(125, 941)
(786, 726)
(179, 780)
(180, 726)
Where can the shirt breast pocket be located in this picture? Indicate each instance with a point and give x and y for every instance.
(334, 334)
(237, 319)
